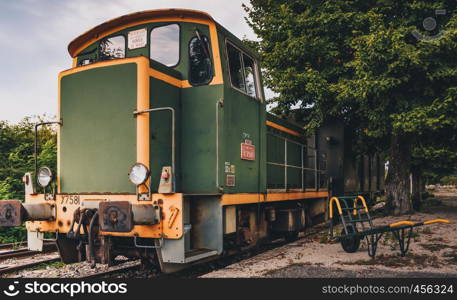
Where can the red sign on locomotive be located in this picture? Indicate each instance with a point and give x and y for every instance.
(247, 150)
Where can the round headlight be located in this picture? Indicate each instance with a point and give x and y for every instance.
(44, 176)
(139, 173)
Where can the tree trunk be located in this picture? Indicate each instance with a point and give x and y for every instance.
(417, 187)
(397, 181)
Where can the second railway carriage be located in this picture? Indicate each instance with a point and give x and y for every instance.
(166, 151)
(348, 171)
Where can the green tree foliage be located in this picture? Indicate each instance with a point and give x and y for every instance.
(449, 180)
(16, 158)
(359, 61)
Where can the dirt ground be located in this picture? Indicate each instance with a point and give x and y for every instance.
(433, 251)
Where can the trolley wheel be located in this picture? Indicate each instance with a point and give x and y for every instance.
(350, 244)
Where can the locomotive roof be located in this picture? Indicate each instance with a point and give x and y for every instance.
(97, 31)
(286, 121)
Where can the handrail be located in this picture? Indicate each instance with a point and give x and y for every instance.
(338, 205)
(219, 103)
(158, 246)
(173, 137)
(364, 203)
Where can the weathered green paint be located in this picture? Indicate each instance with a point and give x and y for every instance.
(198, 138)
(275, 154)
(294, 159)
(98, 136)
(163, 95)
(243, 119)
(195, 126)
(209, 135)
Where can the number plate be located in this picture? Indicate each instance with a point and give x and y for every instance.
(70, 200)
(247, 151)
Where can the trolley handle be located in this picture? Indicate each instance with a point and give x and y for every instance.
(437, 221)
(338, 205)
(401, 223)
(412, 224)
(364, 203)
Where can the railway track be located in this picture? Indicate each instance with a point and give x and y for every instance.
(136, 268)
(13, 245)
(104, 273)
(9, 251)
(21, 266)
(22, 252)
(210, 266)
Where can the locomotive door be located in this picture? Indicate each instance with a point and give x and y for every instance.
(164, 132)
(244, 118)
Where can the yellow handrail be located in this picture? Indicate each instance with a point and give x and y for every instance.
(364, 203)
(338, 205)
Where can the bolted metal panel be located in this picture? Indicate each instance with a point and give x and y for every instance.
(92, 103)
(115, 216)
(207, 223)
(146, 214)
(35, 240)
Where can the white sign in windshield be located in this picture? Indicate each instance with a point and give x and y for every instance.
(137, 38)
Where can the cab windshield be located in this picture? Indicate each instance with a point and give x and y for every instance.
(112, 48)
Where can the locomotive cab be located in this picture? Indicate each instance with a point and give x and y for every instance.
(162, 149)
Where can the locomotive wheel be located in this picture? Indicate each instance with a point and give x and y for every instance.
(68, 250)
(291, 236)
(350, 244)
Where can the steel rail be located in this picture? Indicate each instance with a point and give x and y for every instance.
(13, 268)
(26, 252)
(113, 271)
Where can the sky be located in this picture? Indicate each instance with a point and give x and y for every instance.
(34, 35)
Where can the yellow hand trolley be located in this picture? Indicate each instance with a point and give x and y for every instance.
(358, 224)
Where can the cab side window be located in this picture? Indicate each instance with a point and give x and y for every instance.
(200, 66)
(236, 70)
(164, 45)
(242, 68)
(84, 62)
(249, 76)
(112, 48)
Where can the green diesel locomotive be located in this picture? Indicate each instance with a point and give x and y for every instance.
(166, 151)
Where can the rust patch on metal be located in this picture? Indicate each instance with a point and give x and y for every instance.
(11, 213)
(115, 216)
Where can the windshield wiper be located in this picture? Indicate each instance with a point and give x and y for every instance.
(204, 44)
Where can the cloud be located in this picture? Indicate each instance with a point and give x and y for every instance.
(35, 35)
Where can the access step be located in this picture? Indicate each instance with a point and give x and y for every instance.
(197, 254)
